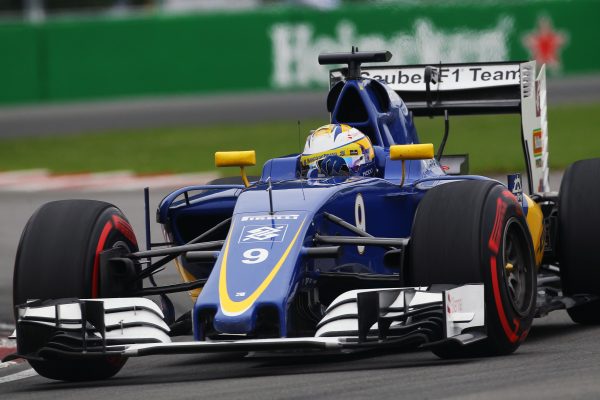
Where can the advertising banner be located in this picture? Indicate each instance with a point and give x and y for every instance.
(276, 49)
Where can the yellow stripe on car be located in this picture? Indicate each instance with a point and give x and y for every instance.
(231, 307)
(187, 277)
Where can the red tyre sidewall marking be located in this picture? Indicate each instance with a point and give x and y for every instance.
(124, 227)
(509, 196)
(95, 272)
(496, 235)
(510, 334)
(494, 246)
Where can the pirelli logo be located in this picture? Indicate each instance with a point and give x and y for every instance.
(270, 217)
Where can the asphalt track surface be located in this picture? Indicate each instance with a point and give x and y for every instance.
(74, 118)
(40, 120)
(559, 359)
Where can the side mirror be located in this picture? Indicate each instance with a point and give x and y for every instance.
(411, 152)
(240, 159)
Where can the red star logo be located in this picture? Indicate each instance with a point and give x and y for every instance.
(545, 43)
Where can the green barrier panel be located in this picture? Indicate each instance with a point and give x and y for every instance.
(561, 33)
(203, 53)
(21, 65)
(277, 48)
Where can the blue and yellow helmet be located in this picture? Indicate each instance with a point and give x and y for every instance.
(343, 141)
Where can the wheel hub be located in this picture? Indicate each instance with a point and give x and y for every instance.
(517, 267)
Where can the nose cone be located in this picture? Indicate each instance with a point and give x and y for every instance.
(255, 272)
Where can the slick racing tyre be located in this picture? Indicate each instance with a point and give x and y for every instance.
(475, 232)
(578, 225)
(58, 257)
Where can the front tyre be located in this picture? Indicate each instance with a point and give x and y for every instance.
(475, 232)
(58, 257)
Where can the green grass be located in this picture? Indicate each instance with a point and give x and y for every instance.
(493, 144)
(187, 149)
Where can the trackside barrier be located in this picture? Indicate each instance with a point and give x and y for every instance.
(276, 48)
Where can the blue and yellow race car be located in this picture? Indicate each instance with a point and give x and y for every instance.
(367, 239)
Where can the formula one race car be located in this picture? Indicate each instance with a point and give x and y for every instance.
(414, 254)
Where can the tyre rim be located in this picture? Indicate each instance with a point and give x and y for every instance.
(517, 267)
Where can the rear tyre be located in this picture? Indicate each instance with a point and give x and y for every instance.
(58, 257)
(475, 232)
(578, 224)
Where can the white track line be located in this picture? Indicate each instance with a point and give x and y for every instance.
(28, 373)
(13, 177)
(7, 327)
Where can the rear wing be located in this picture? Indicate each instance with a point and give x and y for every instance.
(476, 88)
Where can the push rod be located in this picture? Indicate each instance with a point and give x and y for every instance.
(361, 241)
(180, 287)
(177, 249)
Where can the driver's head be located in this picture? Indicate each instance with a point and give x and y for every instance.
(338, 149)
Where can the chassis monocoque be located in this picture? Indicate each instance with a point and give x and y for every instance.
(416, 255)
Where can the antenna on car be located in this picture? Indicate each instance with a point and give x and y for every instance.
(299, 138)
(270, 190)
(445, 138)
(300, 151)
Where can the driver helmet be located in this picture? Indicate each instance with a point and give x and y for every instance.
(338, 149)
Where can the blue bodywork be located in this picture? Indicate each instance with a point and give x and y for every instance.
(262, 283)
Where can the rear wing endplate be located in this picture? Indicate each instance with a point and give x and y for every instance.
(476, 88)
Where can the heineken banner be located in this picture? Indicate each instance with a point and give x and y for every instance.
(277, 48)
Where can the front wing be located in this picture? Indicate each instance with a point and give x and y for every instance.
(359, 319)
